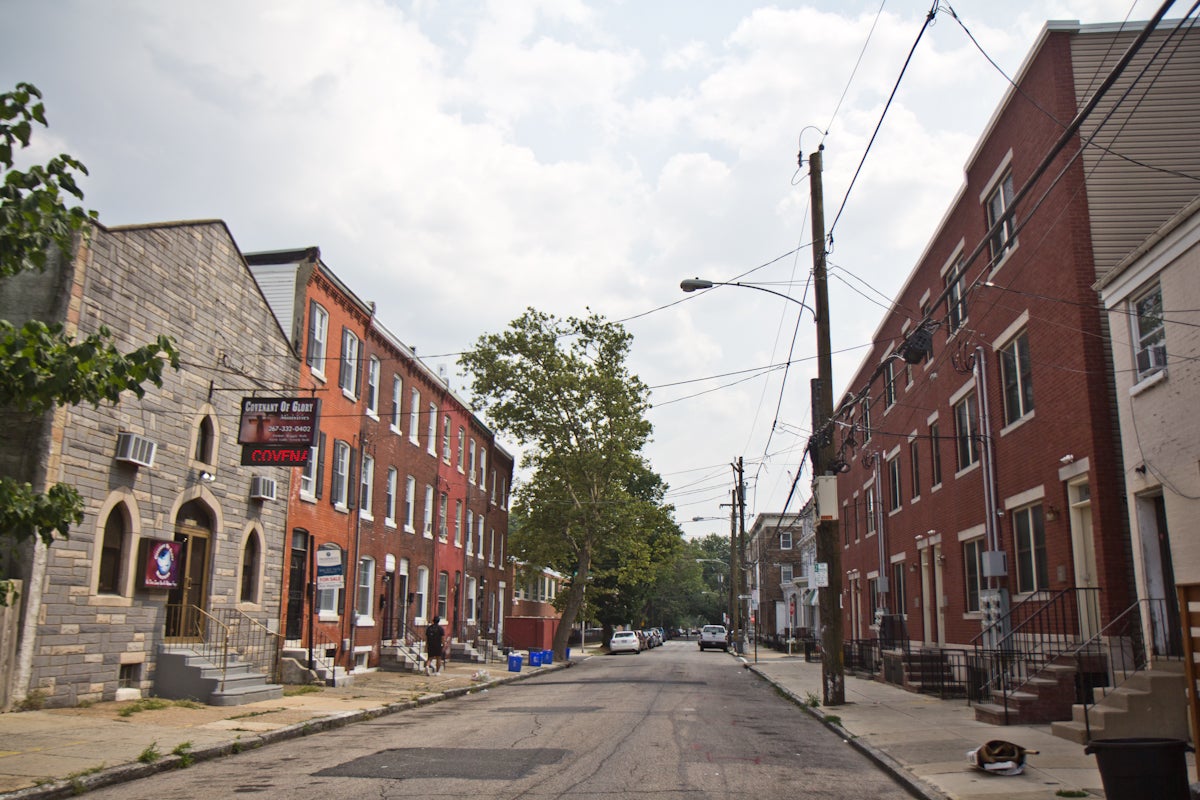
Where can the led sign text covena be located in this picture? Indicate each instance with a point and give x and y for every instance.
(277, 431)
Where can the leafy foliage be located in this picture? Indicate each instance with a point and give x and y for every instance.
(41, 367)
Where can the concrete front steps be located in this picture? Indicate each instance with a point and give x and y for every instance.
(1149, 703)
(1045, 698)
(182, 674)
(324, 670)
(401, 658)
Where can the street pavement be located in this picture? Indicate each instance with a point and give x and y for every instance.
(921, 740)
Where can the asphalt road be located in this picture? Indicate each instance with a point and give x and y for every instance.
(671, 722)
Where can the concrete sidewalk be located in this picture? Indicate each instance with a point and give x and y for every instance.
(924, 740)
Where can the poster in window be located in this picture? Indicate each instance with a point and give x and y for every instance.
(162, 565)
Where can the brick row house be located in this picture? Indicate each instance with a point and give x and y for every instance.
(177, 535)
(984, 484)
(778, 557)
(405, 488)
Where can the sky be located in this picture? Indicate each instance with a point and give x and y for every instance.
(459, 162)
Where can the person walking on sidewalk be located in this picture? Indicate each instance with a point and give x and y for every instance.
(434, 644)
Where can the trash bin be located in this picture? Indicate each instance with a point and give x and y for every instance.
(514, 662)
(535, 658)
(568, 654)
(547, 657)
(1135, 768)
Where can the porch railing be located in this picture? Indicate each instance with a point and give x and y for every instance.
(251, 642)
(201, 633)
(224, 637)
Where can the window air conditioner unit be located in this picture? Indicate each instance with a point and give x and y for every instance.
(1151, 358)
(262, 488)
(134, 449)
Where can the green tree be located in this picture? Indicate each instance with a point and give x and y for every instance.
(562, 389)
(42, 367)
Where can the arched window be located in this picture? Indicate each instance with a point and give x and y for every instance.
(112, 552)
(251, 562)
(205, 441)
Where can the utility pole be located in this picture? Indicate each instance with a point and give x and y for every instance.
(833, 676)
(733, 563)
(740, 502)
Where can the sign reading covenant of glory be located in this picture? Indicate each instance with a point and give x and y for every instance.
(278, 431)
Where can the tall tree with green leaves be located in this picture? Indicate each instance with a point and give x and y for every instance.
(562, 389)
(41, 366)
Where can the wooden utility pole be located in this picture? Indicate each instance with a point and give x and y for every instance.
(833, 676)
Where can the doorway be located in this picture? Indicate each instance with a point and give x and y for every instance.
(1083, 545)
(186, 602)
(1159, 576)
(297, 585)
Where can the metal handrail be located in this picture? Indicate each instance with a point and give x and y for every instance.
(194, 615)
(253, 642)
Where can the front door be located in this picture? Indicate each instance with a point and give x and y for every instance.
(1084, 545)
(185, 603)
(297, 589)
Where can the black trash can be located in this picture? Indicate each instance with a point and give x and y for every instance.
(1132, 769)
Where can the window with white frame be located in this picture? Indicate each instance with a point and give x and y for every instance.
(364, 599)
(479, 537)
(869, 509)
(414, 417)
(998, 202)
(462, 446)
(896, 589)
(1029, 532)
(366, 495)
(472, 589)
(443, 590)
(483, 469)
(329, 600)
(431, 434)
(410, 504)
(1149, 335)
(421, 601)
(785, 540)
(428, 529)
(889, 384)
(318, 336)
(397, 394)
(973, 566)
(866, 418)
(935, 455)
(470, 529)
(373, 387)
(340, 485)
(914, 470)
(471, 456)
(443, 511)
(491, 546)
(446, 439)
(966, 432)
(390, 513)
(1016, 378)
(956, 296)
(309, 482)
(348, 372)
(785, 573)
(893, 471)
(458, 523)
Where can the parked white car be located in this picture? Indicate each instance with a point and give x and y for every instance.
(624, 642)
(714, 636)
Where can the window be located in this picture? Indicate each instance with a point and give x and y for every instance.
(462, 444)
(443, 504)
(338, 488)
(428, 512)
(967, 448)
(873, 596)
(318, 334)
(870, 509)
(785, 540)
(390, 501)
(112, 552)
(866, 418)
(366, 587)
(785, 573)
(893, 468)
(414, 417)
(999, 202)
(446, 438)
(479, 538)
(472, 588)
(889, 384)
(1149, 335)
(1030, 535)
(397, 393)
(896, 590)
(443, 589)
(205, 441)
(431, 434)
(373, 387)
(310, 476)
(470, 529)
(329, 600)
(483, 469)
(366, 490)
(410, 504)
(956, 298)
(925, 314)
(471, 462)
(935, 456)
(420, 602)
(973, 564)
(251, 562)
(491, 545)
(348, 375)
(458, 523)
(1016, 378)
(914, 470)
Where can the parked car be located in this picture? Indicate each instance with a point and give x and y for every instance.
(625, 642)
(714, 636)
(652, 638)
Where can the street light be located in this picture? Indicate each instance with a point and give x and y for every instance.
(695, 284)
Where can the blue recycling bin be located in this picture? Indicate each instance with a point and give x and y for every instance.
(514, 662)
(568, 654)
(535, 658)
(547, 657)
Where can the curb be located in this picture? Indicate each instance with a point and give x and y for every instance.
(72, 787)
(911, 783)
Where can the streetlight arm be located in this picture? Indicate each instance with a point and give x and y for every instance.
(695, 284)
